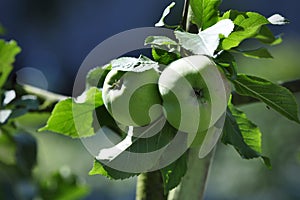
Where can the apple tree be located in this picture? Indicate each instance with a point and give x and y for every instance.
(189, 89)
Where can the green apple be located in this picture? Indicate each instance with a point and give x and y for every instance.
(194, 93)
(132, 98)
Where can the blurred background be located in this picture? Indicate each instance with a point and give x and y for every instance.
(55, 36)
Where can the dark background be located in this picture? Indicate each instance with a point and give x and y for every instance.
(55, 35)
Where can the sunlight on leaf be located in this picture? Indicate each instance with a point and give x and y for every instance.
(205, 42)
(278, 20)
(74, 118)
(166, 12)
(243, 135)
(275, 96)
(204, 12)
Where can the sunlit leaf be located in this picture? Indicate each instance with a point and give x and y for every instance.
(8, 51)
(166, 12)
(74, 118)
(134, 64)
(247, 25)
(277, 19)
(243, 135)
(101, 169)
(205, 42)
(275, 96)
(204, 12)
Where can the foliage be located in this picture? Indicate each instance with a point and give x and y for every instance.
(220, 36)
(18, 149)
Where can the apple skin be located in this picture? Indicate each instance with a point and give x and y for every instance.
(132, 98)
(194, 93)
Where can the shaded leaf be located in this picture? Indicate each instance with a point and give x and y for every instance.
(266, 36)
(173, 173)
(26, 152)
(7, 149)
(242, 134)
(63, 184)
(150, 140)
(101, 169)
(96, 76)
(257, 53)
(25, 104)
(164, 57)
(227, 61)
(275, 96)
(104, 119)
(2, 30)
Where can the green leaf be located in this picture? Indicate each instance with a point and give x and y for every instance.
(164, 57)
(134, 64)
(242, 134)
(63, 184)
(7, 149)
(101, 169)
(139, 140)
(106, 120)
(164, 49)
(166, 12)
(266, 36)
(173, 173)
(247, 25)
(2, 30)
(96, 76)
(74, 118)
(227, 61)
(205, 42)
(275, 96)
(257, 53)
(25, 104)
(26, 152)
(205, 12)
(160, 41)
(150, 144)
(8, 51)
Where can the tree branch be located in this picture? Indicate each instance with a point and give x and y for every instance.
(185, 14)
(193, 184)
(150, 186)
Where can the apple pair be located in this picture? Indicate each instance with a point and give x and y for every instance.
(190, 92)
